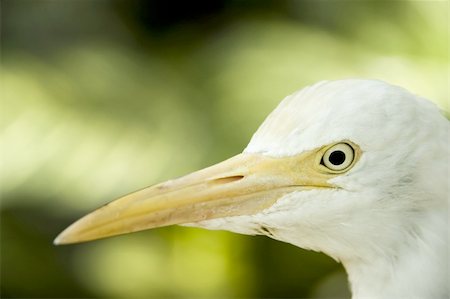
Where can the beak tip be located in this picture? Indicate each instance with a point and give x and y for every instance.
(67, 236)
(59, 240)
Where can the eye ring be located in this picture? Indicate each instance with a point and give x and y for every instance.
(338, 157)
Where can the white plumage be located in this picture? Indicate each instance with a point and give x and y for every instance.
(385, 217)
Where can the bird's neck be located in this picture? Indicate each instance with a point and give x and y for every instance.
(418, 269)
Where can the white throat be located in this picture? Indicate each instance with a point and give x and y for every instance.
(418, 270)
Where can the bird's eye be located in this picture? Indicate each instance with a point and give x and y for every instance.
(338, 157)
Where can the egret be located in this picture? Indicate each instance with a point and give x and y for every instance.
(353, 168)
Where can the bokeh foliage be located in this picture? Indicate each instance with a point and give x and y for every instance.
(99, 98)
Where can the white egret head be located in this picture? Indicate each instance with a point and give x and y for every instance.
(396, 147)
(353, 168)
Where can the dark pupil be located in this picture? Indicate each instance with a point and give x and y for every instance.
(337, 158)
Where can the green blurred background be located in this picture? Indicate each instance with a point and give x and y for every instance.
(100, 98)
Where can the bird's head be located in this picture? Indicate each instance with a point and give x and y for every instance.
(336, 165)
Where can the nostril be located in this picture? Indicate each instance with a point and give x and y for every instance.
(228, 179)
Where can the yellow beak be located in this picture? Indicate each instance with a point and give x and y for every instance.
(242, 185)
